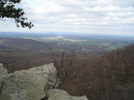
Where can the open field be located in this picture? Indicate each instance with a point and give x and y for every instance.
(97, 71)
(23, 48)
(87, 43)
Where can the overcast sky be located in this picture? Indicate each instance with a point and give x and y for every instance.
(83, 16)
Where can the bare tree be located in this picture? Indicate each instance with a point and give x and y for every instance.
(63, 61)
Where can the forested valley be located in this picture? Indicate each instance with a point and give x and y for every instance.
(98, 67)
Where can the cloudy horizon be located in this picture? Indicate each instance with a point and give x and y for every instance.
(82, 16)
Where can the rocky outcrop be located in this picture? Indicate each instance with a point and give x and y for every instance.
(39, 83)
(79, 97)
(27, 84)
(3, 71)
(57, 94)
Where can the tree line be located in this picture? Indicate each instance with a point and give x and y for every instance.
(107, 77)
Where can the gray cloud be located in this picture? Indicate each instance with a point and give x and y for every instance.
(90, 16)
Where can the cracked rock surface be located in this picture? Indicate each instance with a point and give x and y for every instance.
(33, 84)
(25, 84)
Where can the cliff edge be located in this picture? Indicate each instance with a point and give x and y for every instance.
(32, 84)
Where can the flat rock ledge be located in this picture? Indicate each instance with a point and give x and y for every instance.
(33, 84)
(57, 94)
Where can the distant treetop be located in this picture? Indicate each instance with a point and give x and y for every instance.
(8, 10)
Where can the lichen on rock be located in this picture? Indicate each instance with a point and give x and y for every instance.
(39, 83)
(26, 84)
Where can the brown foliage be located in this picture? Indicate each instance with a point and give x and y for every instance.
(109, 77)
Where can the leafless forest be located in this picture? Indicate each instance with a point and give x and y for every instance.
(100, 67)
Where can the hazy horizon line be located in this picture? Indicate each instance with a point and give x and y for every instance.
(79, 33)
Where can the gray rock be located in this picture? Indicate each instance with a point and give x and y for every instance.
(57, 94)
(33, 84)
(26, 84)
(79, 98)
(3, 71)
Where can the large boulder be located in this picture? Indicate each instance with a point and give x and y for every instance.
(27, 84)
(57, 94)
(39, 83)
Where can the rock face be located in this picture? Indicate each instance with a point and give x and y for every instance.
(57, 94)
(80, 98)
(26, 84)
(39, 83)
(3, 71)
